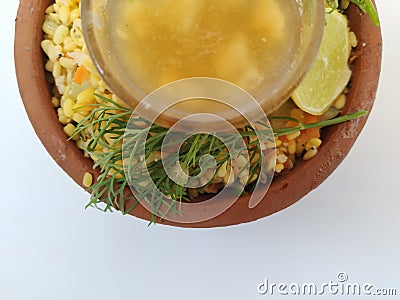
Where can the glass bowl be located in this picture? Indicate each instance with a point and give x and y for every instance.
(273, 87)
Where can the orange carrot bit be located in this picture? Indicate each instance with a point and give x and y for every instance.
(297, 114)
(80, 75)
(310, 133)
(308, 118)
(291, 124)
(283, 139)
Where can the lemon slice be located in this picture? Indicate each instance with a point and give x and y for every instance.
(330, 72)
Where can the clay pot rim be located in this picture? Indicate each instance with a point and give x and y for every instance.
(284, 191)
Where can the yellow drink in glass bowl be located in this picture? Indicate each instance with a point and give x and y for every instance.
(263, 46)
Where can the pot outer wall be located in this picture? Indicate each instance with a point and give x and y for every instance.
(284, 191)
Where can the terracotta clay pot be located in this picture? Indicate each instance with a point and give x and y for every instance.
(284, 191)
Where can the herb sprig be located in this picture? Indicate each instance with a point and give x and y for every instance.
(106, 125)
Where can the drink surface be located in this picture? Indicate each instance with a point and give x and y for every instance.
(251, 43)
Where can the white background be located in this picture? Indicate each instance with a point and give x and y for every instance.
(52, 248)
